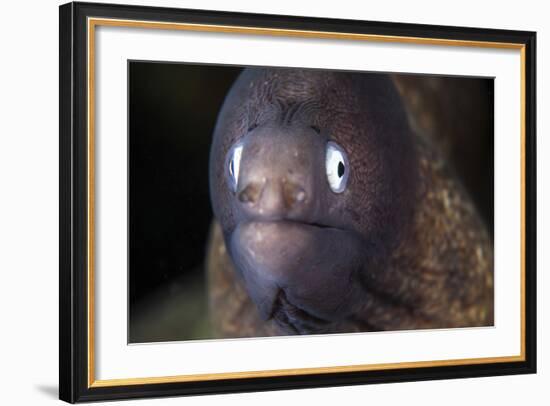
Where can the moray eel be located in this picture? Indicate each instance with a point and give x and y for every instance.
(333, 215)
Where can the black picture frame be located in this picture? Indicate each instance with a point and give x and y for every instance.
(74, 383)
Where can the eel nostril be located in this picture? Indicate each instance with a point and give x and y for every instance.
(293, 194)
(250, 193)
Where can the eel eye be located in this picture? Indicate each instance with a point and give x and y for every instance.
(233, 165)
(337, 167)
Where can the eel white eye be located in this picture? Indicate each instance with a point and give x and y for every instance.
(337, 167)
(234, 165)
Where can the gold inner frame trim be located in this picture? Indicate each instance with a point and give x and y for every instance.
(94, 22)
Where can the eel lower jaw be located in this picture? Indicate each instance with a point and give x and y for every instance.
(313, 265)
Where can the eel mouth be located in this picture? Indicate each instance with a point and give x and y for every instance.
(289, 221)
(296, 272)
(276, 247)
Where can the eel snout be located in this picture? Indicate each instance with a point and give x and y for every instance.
(279, 175)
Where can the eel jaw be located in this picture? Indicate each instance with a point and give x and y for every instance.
(298, 274)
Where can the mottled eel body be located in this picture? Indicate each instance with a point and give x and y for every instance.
(334, 216)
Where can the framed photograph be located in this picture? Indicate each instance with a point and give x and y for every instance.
(255, 202)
